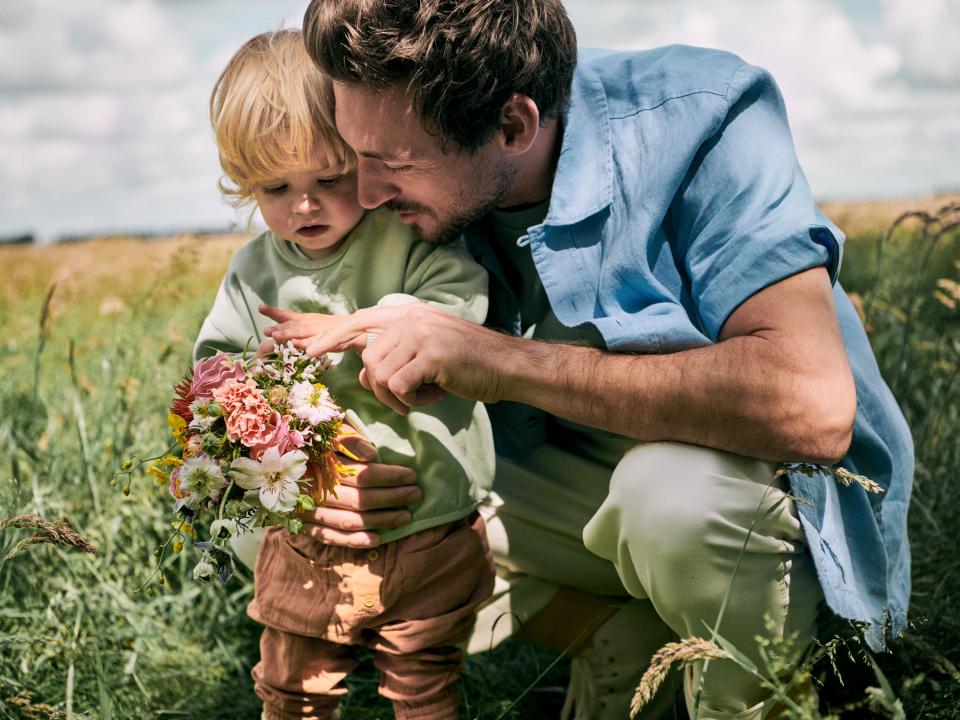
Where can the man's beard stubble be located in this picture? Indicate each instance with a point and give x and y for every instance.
(452, 227)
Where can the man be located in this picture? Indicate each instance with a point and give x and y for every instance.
(665, 329)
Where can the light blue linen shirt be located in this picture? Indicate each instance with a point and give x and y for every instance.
(677, 196)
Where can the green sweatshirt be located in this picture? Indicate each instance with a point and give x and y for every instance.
(448, 443)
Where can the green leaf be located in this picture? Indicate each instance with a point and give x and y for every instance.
(738, 657)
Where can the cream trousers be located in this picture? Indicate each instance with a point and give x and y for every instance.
(667, 527)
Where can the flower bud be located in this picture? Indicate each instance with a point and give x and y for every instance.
(223, 529)
(204, 571)
(211, 443)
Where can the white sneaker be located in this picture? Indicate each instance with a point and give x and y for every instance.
(606, 673)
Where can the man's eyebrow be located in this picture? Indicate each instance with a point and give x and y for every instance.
(375, 155)
(385, 156)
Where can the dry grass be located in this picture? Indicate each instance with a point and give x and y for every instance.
(684, 652)
(121, 321)
(59, 533)
(859, 218)
(81, 270)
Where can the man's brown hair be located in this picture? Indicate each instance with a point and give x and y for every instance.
(461, 60)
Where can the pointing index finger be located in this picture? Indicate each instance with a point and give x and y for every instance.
(274, 313)
(360, 323)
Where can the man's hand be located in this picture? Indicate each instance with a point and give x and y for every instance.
(376, 497)
(776, 387)
(297, 327)
(419, 354)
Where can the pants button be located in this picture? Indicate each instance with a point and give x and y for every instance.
(373, 555)
(368, 601)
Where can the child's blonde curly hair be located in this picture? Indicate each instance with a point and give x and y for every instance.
(272, 108)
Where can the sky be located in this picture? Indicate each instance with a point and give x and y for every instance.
(103, 103)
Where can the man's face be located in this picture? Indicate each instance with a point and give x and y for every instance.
(402, 166)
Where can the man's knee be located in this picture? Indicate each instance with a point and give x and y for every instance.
(670, 494)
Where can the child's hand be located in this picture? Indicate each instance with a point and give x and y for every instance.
(297, 327)
(266, 347)
(371, 496)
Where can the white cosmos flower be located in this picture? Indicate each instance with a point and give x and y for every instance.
(313, 403)
(274, 475)
(201, 478)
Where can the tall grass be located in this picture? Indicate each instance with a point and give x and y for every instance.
(92, 337)
(906, 275)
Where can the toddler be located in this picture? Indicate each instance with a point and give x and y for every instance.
(412, 599)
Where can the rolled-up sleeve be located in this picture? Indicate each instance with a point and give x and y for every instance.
(744, 218)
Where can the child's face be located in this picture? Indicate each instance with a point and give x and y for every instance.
(314, 206)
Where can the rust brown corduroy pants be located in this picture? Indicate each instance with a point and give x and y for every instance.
(411, 602)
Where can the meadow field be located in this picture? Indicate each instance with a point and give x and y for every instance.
(93, 335)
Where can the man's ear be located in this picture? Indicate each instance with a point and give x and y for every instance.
(519, 124)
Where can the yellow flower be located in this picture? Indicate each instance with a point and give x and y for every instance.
(155, 470)
(184, 527)
(178, 428)
(170, 461)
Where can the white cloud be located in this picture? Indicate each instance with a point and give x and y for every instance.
(810, 47)
(104, 44)
(95, 94)
(103, 102)
(862, 125)
(928, 36)
(103, 121)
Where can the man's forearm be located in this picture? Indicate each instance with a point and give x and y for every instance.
(741, 395)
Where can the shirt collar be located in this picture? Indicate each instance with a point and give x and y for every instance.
(583, 182)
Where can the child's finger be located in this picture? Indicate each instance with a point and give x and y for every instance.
(280, 332)
(301, 330)
(265, 348)
(277, 314)
(293, 329)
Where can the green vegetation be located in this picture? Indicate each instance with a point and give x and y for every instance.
(95, 334)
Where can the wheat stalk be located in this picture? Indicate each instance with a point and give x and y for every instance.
(59, 533)
(847, 478)
(685, 652)
(30, 710)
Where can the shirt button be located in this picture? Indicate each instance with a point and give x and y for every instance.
(368, 601)
(373, 555)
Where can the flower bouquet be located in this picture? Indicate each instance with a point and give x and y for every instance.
(253, 446)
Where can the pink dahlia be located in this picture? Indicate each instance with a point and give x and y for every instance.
(200, 382)
(249, 417)
(283, 438)
(237, 395)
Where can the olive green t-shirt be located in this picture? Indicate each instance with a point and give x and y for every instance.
(506, 231)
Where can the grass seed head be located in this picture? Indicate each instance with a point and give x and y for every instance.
(685, 652)
(59, 533)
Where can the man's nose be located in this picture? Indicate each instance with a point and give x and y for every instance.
(373, 189)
